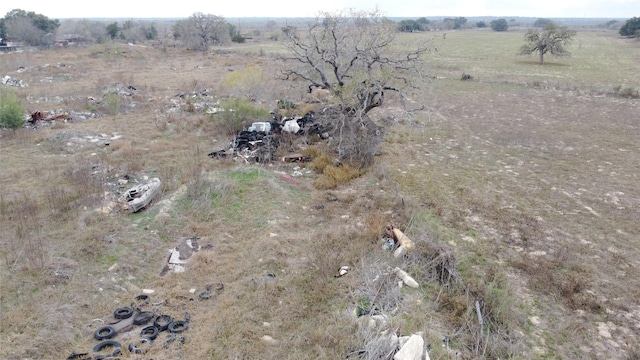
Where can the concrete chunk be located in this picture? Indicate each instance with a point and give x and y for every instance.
(413, 349)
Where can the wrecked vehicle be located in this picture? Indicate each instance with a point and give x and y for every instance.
(139, 196)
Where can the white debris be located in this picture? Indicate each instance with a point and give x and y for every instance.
(413, 349)
(342, 272)
(406, 278)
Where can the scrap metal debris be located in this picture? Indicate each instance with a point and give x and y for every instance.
(50, 116)
(260, 141)
(140, 196)
(342, 272)
(179, 255)
(11, 81)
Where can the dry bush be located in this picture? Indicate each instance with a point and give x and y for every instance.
(23, 241)
(332, 176)
(376, 222)
(559, 275)
(319, 161)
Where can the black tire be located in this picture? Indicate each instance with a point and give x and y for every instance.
(75, 356)
(162, 322)
(104, 332)
(143, 297)
(109, 343)
(149, 332)
(171, 339)
(206, 295)
(142, 318)
(133, 347)
(178, 326)
(123, 313)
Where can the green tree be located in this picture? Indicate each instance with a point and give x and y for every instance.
(541, 22)
(113, 30)
(458, 23)
(630, 27)
(150, 32)
(11, 110)
(409, 26)
(499, 25)
(28, 27)
(481, 24)
(38, 20)
(553, 39)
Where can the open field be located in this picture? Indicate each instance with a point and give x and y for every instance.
(519, 188)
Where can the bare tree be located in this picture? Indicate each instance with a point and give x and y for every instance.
(23, 30)
(552, 39)
(350, 54)
(83, 30)
(201, 31)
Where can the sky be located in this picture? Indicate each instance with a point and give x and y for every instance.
(60, 9)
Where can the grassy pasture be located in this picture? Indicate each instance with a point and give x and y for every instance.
(520, 184)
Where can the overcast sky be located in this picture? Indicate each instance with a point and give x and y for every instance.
(56, 9)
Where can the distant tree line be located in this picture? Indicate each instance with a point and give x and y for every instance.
(28, 27)
(197, 32)
(420, 24)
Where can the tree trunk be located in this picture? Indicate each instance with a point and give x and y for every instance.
(541, 56)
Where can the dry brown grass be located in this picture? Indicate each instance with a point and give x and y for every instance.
(534, 217)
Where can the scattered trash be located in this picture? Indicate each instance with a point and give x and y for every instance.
(388, 244)
(295, 158)
(260, 141)
(269, 340)
(105, 345)
(271, 277)
(257, 145)
(50, 116)
(342, 272)
(11, 81)
(180, 254)
(406, 278)
(402, 241)
(289, 179)
(413, 348)
(139, 196)
(123, 320)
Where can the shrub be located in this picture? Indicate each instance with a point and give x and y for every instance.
(332, 176)
(466, 76)
(112, 103)
(286, 104)
(11, 110)
(236, 114)
(247, 81)
(238, 38)
(629, 92)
